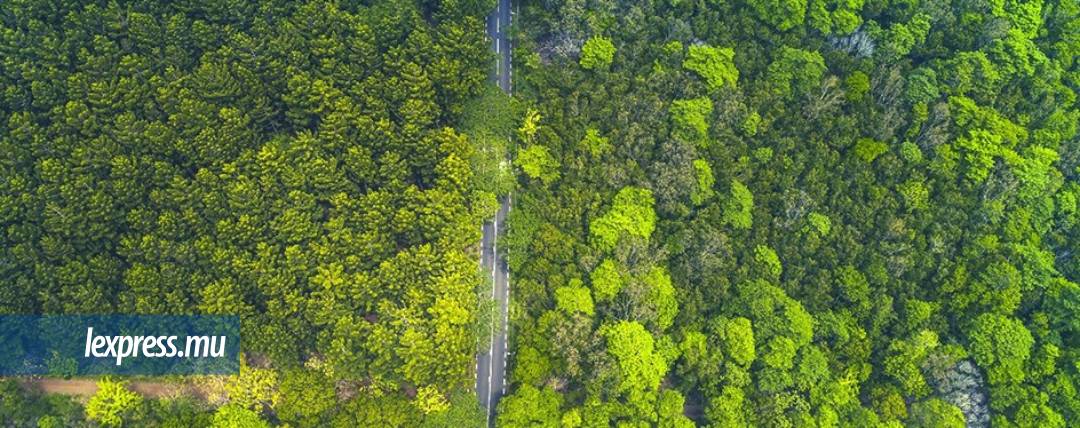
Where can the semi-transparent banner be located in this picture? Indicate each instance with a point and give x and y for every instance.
(77, 345)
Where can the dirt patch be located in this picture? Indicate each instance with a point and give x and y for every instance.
(88, 387)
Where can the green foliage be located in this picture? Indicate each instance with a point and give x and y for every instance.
(912, 165)
(936, 413)
(319, 170)
(574, 298)
(630, 214)
(705, 182)
(691, 118)
(1000, 345)
(488, 121)
(728, 409)
(304, 397)
(738, 209)
(233, 416)
(597, 53)
(739, 338)
(529, 407)
(781, 14)
(22, 407)
(662, 295)
(751, 123)
(595, 144)
(902, 37)
(464, 411)
(904, 362)
(915, 194)
(820, 222)
(714, 65)
(538, 163)
(253, 388)
(766, 258)
(112, 403)
(857, 86)
(922, 86)
(639, 364)
(911, 152)
(430, 400)
(868, 149)
(834, 16)
(795, 72)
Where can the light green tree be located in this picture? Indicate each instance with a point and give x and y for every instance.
(640, 365)
(606, 280)
(111, 403)
(631, 213)
(574, 298)
(530, 407)
(705, 182)
(1001, 345)
(234, 416)
(739, 206)
(597, 53)
(716, 66)
(537, 163)
(691, 118)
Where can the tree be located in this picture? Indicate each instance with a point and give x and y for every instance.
(253, 388)
(233, 416)
(834, 16)
(766, 258)
(936, 413)
(530, 407)
(739, 206)
(538, 164)
(739, 341)
(594, 143)
(715, 66)
(705, 182)
(690, 118)
(795, 72)
(781, 14)
(728, 409)
(606, 280)
(662, 295)
(633, 348)
(868, 149)
(905, 361)
(1001, 345)
(574, 298)
(305, 397)
(670, 410)
(631, 214)
(112, 403)
(597, 53)
(430, 400)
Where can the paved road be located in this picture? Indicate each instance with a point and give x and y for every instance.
(491, 365)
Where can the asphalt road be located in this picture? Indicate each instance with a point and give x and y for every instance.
(491, 365)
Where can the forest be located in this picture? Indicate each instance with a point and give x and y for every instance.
(726, 213)
(303, 165)
(796, 213)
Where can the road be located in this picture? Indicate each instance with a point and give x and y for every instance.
(491, 365)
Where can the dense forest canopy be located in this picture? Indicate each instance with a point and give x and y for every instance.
(304, 165)
(796, 213)
(725, 213)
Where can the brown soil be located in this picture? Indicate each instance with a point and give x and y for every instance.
(88, 387)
